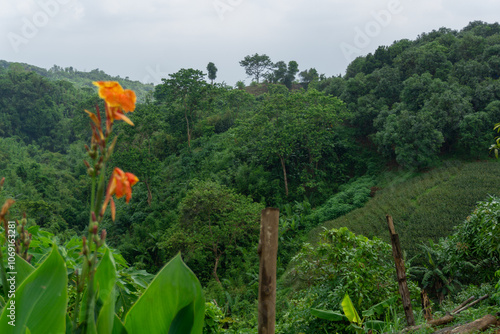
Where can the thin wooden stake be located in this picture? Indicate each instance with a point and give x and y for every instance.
(471, 304)
(471, 298)
(401, 273)
(268, 252)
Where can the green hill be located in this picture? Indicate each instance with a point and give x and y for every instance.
(426, 206)
(84, 79)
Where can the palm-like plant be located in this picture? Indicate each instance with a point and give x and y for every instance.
(438, 274)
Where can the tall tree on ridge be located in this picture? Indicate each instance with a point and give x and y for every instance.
(257, 65)
(212, 72)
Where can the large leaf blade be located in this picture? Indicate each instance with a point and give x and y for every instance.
(174, 290)
(105, 279)
(349, 310)
(40, 300)
(23, 269)
(328, 315)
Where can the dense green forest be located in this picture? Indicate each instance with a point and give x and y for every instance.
(406, 131)
(83, 79)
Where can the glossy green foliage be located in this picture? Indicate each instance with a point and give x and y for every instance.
(23, 270)
(350, 311)
(328, 315)
(358, 324)
(172, 303)
(40, 300)
(104, 287)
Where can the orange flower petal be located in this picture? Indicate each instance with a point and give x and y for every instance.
(127, 100)
(116, 96)
(121, 184)
(93, 117)
(120, 116)
(132, 179)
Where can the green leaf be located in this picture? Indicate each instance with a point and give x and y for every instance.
(40, 301)
(23, 269)
(328, 315)
(105, 278)
(104, 289)
(375, 325)
(118, 326)
(349, 310)
(379, 308)
(174, 299)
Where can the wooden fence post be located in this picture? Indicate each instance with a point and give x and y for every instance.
(268, 251)
(400, 271)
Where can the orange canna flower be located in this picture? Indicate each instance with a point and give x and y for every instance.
(118, 101)
(120, 184)
(116, 96)
(114, 113)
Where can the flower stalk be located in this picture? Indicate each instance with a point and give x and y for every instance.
(117, 102)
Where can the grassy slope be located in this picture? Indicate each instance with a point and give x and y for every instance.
(85, 79)
(424, 207)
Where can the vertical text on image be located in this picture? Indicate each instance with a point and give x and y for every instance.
(11, 272)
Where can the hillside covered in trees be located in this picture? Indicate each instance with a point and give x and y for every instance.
(209, 157)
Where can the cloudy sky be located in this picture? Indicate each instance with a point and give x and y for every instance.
(148, 39)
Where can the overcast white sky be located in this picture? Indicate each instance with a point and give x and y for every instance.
(149, 39)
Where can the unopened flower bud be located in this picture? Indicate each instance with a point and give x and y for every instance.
(103, 235)
(94, 218)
